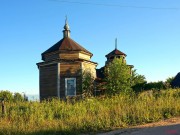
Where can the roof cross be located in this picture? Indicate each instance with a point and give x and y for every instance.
(66, 20)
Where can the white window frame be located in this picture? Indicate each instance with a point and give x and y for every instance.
(58, 80)
(66, 79)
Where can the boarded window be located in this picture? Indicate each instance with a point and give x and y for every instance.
(70, 86)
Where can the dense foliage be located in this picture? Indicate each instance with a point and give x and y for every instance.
(89, 115)
(117, 76)
(10, 97)
(168, 82)
(143, 86)
(137, 81)
(87, 83)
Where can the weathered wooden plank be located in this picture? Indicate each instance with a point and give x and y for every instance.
(70, 69)
(48, 81)
(69, 56)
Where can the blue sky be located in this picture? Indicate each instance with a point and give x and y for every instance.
(148, 32)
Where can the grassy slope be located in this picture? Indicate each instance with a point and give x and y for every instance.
(90, 115)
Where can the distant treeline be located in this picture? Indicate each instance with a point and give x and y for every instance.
(160, 85)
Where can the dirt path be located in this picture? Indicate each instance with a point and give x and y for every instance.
(166, 127)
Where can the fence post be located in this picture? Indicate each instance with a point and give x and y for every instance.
(3, 107)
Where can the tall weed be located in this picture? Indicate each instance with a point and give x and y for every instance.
(89, 115)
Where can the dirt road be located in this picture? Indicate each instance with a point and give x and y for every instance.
(167, 127)
(162, 130)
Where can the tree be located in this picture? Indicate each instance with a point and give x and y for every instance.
(18, 97)
(117, 76)
(168, 82)
(154, 85)
(87, 83)
(6, 95)
(137, 81)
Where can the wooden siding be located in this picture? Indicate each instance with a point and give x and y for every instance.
(48, 81)
(67, 69)
(70, 70)
(91, 67)
(51, 57)
(69, 56)
(84, 56)
(78, 85)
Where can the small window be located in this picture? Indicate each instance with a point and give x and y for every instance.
(112, 57)
(70, 86)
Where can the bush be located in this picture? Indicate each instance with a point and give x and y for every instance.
(6, 95)
(18, 97)
(154, 85)
(9, 97)
(87, 83)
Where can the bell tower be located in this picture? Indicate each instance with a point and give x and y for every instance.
(115, 54)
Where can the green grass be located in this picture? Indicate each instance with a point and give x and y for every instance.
(89, 115)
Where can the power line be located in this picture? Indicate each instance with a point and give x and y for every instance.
(115, 5)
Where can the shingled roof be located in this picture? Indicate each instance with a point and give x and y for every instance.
(66, 44)
(115, 52)
(176, 81)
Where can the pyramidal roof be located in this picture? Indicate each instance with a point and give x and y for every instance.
(115, 52)
(66, 44)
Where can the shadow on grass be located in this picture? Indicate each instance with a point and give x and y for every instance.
(40, 132)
